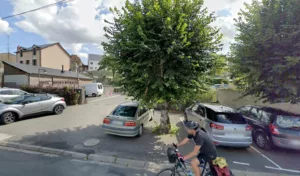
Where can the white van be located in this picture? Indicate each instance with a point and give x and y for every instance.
(93, 89)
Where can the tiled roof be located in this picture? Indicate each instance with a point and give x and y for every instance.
(37, 46)
(50, 71)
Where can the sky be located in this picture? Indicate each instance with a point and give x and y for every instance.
(78, 24)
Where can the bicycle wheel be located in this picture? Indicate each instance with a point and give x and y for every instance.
(168, 172)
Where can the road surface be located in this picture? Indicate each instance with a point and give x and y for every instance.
(77, 124)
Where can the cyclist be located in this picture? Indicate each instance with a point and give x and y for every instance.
(204, 148)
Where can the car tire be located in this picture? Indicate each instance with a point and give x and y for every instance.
(58, 109)
(8, 118)
(262, 141)
(141, 130)
(94, 95)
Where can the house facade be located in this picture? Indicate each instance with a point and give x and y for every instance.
(49, 55)
(16, 75)
(8, 57)
(93, 62)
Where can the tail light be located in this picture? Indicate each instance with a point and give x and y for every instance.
(62, 99)
(106, 121)
(248, 128)
(273, 129)
(216, 126)
(130, 123)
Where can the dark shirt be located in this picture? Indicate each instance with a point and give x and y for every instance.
(203, 140)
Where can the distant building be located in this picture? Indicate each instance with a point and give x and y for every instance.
(93, 62)
(49, 55)
(8, 57)
(16, 75)
(76, 64)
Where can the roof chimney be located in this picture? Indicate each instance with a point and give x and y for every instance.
(62, 69)
(18, 48)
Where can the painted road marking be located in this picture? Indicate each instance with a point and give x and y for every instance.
(240, 163)
(4, 136)
(281, 169)
(266, 158)
(104, 98)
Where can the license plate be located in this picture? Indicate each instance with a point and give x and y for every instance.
(117, 123)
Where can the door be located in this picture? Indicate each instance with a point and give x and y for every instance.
(31, 105)
(143, 116)
(200, 115)
(46, 103)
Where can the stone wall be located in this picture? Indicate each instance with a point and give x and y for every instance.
(232, 98)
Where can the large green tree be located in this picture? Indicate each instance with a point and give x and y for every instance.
(265, 57)
(162, 50)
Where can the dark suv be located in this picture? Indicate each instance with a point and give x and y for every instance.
(273, 126)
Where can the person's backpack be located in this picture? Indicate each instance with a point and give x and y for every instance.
(220, 167)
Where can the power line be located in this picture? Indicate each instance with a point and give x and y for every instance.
(59, 2)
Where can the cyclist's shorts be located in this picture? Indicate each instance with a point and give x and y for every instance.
(205, 157)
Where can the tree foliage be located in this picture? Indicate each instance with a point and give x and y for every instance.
(162, 49)
(265, 56)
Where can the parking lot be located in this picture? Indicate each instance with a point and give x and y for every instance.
(80, 123)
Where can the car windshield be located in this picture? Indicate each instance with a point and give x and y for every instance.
(17, 100)
(125, 111)
(288, 121)
(230, 118)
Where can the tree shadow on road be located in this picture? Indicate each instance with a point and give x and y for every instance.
(148, 147)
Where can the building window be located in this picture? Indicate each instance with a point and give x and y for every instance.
(91, 68)
(34, 62)
(21, 62)
(27, 62)
(21, 53)
(91, 63)
(34, 51)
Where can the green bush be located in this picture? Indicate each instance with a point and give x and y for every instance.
(70, 95)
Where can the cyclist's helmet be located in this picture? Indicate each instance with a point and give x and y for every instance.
(192, 125)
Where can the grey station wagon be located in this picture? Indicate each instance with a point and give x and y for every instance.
(127, 119)
(223, 124)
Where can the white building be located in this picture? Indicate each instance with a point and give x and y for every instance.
(93, 62)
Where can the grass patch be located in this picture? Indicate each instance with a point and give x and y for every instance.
(173, 130)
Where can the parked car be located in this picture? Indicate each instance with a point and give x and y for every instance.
(93, 89)
(127, 119)
(223, 124)
(273, 126)
(9, 93)
(28, 105)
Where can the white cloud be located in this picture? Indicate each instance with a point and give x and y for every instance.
(79, 23)
(4, 27)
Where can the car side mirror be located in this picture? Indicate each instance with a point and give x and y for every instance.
(24, 103)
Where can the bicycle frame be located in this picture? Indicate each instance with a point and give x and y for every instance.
(181, 166)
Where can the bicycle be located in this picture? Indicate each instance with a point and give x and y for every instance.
(180, 167)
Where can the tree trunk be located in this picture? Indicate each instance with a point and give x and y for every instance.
(165, 125)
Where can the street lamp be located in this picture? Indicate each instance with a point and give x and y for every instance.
(39, 71)
(77, 69)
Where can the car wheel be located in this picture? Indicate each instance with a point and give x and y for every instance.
(58, 109)
(8, 117)
(261, 141)
(141, 130)
(94, 95)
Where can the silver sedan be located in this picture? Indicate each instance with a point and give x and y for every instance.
(127, 119)
(28, 105)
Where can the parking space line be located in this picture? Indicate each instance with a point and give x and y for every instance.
(240, 163)
(266, 157)
(281, 169)
(104, 98)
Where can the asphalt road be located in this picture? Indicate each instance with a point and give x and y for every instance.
(80, 123)
(14, 163)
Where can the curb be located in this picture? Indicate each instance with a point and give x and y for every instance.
(13, 146)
